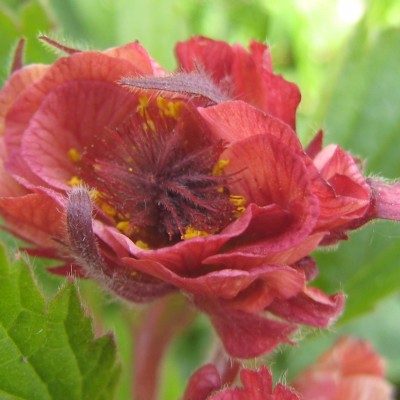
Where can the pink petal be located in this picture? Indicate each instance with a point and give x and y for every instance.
(245, 335)
(214, 57)
(70, 117)
(138, 56)
(257, 385)
(270, 282)
(275, 176)
(241, 258)
(235, 120)
(254, 82)
(15, 85)
(312, 307)
(79, 66)
(202, 383)
(35, 217)
(365, 388)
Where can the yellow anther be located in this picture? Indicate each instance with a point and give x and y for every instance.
(191, 233)
(142, 245)
(151, 125)
(239, 203)
(74, 155)
(108, 210)
(94, 194)
(124, 227)
(74, 181)
(144, 103)
(170, 108)
(219, 167)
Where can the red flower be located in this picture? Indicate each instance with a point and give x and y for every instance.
(350, 370)
(206, 384)
(215, 198)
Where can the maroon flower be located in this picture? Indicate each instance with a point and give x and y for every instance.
(215, 198)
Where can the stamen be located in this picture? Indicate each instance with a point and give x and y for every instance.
(74, 155)
(191, 233)
(159, 182)
(74, 181)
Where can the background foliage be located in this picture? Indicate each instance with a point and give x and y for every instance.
(344, 55)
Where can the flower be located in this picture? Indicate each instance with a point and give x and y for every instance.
(189, 191)
(350, 370)
(206, 384)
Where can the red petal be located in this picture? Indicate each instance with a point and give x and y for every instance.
(312, 307)
(235, 120)
(202, 383)
(245, 335)
(35, 217)
(214, 57)
(70, 117)
(275, 176)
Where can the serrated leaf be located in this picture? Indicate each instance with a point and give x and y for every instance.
(362, 116)
(47, 349)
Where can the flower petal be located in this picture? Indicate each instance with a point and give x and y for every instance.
(202, 383)
(276, 175)
(37, 218)
(245, 335)
(312, 307)
(235, 120)
(88, 108)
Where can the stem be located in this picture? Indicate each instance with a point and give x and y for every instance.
(161, 322)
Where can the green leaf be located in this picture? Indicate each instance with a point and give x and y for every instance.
(47, 349)
(362, 116)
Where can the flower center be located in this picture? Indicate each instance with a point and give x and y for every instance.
(159, 176)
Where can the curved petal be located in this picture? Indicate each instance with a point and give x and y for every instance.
(275, 176)
(235, 120)
(245, 335)
(311, 307)
(251, 290)
(79, 66)
(15, 85)
(138, 56)
(245, 75)
(254, 82)
(202, 383)
(351, 193)
(88, 107)
(35, 217)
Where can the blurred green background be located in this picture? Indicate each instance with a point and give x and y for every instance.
(345, 57)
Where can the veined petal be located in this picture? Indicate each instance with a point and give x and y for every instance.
(89, 108)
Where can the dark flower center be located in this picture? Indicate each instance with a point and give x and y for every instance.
(160, 176)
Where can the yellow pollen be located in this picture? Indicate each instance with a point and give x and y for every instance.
(142, 245)
(124, 226)
(219, 167)
(94, 194)
(239, 203)
(170, 108)
(108, 210)
(144, 103)
(191, 233)
(75, 181)
(74, 155)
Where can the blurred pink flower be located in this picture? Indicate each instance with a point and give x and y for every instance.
(350, 370)
(216, 198)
